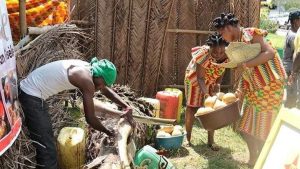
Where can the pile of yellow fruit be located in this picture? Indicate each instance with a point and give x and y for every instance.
(220, 100)
(168, 131)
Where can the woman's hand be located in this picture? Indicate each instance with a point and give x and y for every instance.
(242, 66)
(291, 79)
(127, 114)
(110, 132)
(239, 94)
(216, 89)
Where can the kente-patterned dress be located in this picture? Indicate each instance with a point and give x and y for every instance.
(263, 86)
(200, 55)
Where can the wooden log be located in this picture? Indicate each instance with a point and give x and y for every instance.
(124, 131)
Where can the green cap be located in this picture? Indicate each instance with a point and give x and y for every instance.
(105, 69)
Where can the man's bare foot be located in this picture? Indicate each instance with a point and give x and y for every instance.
(214, 147)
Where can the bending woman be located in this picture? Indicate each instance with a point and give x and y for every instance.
(261, 84)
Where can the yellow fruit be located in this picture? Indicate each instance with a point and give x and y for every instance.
(210, 101)
(219, 104)
(229, 98)
(204, 110)
(220, 95)
(168, 129)
(176, 132)
(162, 133)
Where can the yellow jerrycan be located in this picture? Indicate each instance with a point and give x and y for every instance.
(71, 148)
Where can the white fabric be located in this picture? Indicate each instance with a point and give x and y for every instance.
(50, 79)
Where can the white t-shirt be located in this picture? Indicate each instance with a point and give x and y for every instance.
(50, 79)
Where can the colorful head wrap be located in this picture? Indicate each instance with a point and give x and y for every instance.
(105, 69)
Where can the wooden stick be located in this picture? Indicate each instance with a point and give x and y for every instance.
(22, 17)
(189, 31)
(22, 42)
(182, 86)
(153, 120)
(104, 111)
(40, 30)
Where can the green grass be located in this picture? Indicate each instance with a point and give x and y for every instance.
(233, 151)
(277, 40)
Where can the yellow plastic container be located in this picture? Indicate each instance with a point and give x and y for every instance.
(180, 97)
(155, 103)
(71, 148)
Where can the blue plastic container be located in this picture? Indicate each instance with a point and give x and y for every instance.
(169, 143)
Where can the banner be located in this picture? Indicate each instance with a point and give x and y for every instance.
(10, 121)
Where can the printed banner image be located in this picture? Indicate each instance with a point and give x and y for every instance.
(10, 121)
(4, 124)
(9, 83)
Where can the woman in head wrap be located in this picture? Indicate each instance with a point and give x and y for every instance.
(261, 83)
(58, 76)
(202, 79)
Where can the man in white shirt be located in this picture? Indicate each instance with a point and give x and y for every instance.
(58, 76)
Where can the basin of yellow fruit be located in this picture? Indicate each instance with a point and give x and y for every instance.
(169, 139)
(219, 111)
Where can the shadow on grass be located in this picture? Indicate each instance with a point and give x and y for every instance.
(181, 152)
(218, 159)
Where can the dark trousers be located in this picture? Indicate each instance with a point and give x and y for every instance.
(38, 122)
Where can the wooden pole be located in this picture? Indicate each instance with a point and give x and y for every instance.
(189, 31)
(23, 25)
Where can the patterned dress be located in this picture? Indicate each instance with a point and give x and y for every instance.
(263, 86)
(200, 55)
